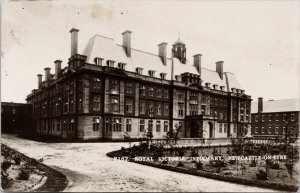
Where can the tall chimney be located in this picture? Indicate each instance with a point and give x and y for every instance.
(260, 104)
(197, 62)
(39, 80)
(57, 68)
(47, 73)
(74, 41)
(162, 52)
(219, 68)
(127, 42)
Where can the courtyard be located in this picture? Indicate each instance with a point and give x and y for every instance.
(89, 169)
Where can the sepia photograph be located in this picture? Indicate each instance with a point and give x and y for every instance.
(150, 96)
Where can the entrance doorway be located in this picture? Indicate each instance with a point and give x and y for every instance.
(194, 129)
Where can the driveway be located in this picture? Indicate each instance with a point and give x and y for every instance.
(90, 170)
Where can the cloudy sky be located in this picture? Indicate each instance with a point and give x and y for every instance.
(257, 40)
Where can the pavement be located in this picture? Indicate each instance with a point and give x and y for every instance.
(90, 170)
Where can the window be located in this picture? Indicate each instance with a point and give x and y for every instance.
(114, 86)
(151, 73)
(292, 117)
(270, 130)
(158, 126)
(114, 104)
(166, 109)
(58, 126)
(166, 94)
(159, 93)
(203, 109)
(96, 123)
(225, 128)
(158, 108)
(110, 63)
(79, 103)
(166, 126)
(143, 90)
(179, 95)
(66, 105)
(203, 99)
(96, 83)
(270, 117)
(276, 130)
(129, 88)
(139, 70)
(263, 118)
(284, 130)
(256, 130)
(117, 124)
(108, 125)
(142, 125)
(150, 125)
(13, 111)
(72, 124)
(142, 107)
(129, 105)
(121, 65)
(193, 109)
(284, 117)
(234, 128)
(220, 128)
(163, 76)
(71, 105)
(180, 125)
(194, 96)
(98, 61)
(277, 117)
(151, 91)
(151, 108)
(96, 103)
(180, 109)
(262, 129)
(128, 125)
(256, 118)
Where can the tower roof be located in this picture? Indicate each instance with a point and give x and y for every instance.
(178, 42)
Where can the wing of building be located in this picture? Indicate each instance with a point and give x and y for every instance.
(109, 89)
(275, 118)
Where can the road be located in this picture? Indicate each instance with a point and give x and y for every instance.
(90, 170)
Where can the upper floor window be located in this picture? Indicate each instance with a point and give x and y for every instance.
(143, 90)
(121, 65)
(151, 108)
(292, 117)
(180, 109)
(163, 76)
(151, 91)
(139, 70)
(129, 88)
(276, 130)
(159, 93)
(194, 96)
(284, 117)
(96, 83)
(203, 109)
(114, 85)
(270, 117)
(110, 63)
(277, 117)
(166, 94)
(256, 118)
(158, 108)
(180, 95)
(166, 109)
(98, 61)
(129, 105)
(142, 107)
(193, 109)
(151, 73)
(256, 130)
(114, 104)
(263, 118)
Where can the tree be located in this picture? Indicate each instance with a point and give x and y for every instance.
(126, 137)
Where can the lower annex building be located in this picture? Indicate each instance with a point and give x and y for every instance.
(109, 89)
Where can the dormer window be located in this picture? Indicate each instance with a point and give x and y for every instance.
(215, 86)
(178, 78)
(139, 70)
(110, 63)
(121, 65)
(238, 90)
(207, 84)
(233, 89)
(222, 88)
(163, 76)
(242, 91)
(98, 61)
(151, 73)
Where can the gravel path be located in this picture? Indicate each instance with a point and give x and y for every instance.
(89, 170)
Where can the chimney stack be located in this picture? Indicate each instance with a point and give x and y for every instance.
(260, 104)
(197, 62)
(74, 41)
(162, 52)
(47, 73)
(57, 68)
(219, 68)
(127, 42)
(39, 80)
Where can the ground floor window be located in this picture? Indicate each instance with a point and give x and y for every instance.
(166, 126)
(128, 125)
(158, 126)
(108, 124)
(117, 124)
(220, 128)
(96, 123)
(72, 124)
(142, 125)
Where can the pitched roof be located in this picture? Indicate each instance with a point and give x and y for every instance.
(104, 47)
(284, 105)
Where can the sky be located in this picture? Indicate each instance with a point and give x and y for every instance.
(257, 40)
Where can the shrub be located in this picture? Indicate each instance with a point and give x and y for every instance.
(17, 160)
(164, 162)
(262, 175)
(275, 166)
(194, 153)
(180, 164)
(5, 180)
(199, 165)
(232, 162)
(253, 163)
(24, 174)
(5, 165)
(228, 173)
(181, 152)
